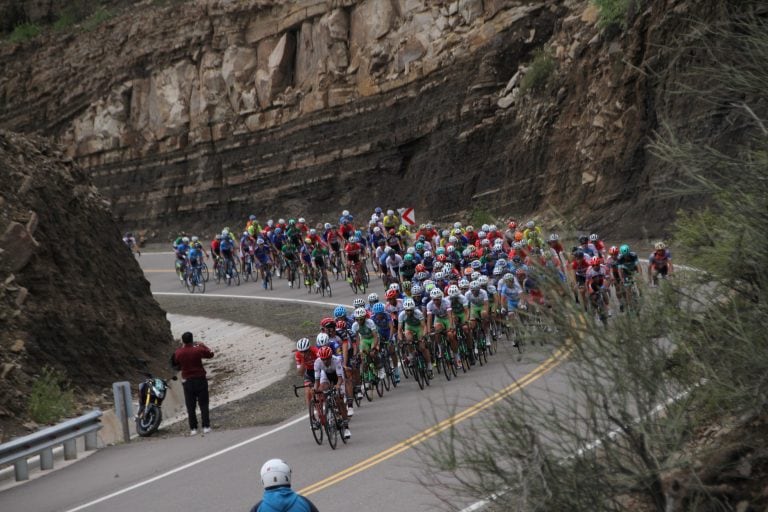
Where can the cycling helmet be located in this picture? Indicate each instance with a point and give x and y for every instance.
(441, 258)
(377, 230)
(624, 249)
(445, 233)
(428, 226)
(594, 261)
(409, 305)
(429, 286)
(219, 237)
(390, 212)
(322, 340)
(491, 289)
(497, 271)
(327, 322)
(245, 233)
(129, 235)
(354, 239)
(377, 210)
(578, 254)
(302, 344)
(389, 250)
(339, 311)
(453, 291)
(427, 254)
(301, 220)
(530, 224)
(440, 251)
(416, 290)
(185, 239)
(373, 298)
(497, 243)
(512, 225)
(270, 223)
(422, 275)
(395, 286)
(501, 262)
(420, 268)
(358, 233)
(554, 237)
(517, 260)
(474, 276)
(251, 217)
(518, 236)
(327, 225)
(660, 246)
(450, 249)
(470, 229)
(483, 280)
(492, 228)
(195, 239)
(291, 222)
(281, 221)
(275, 472)
(447, 266)
(358, 303)
(583, 239)
(260, 241)
(438, 276)
(312, 232)
(345, 213)
(466, 252)
(391, 294)
(613, 251)
(463, 284)
(476, 264)
(474, 285)
(324, 352)
(408, 257)
(419, 246)
(593, 237)
(378, 308)
(307, 240)
(435, 294)
(484, 227)
(406, 285)
(485, 242)
(509, 277)
(278, 231)
(481, 234)
(520, 272)
(360, 313)
(341, 325)
(468, 271)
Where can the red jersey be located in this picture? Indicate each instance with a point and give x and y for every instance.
(215, 245)
(346, 230)
(493, 235)
(471, 236)
(352, 249)
(306, 359)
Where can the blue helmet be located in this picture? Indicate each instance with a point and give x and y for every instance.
(378, 308)
(339, 311)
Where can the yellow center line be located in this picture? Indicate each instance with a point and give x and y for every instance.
(432, 431)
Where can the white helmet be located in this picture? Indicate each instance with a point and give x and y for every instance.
(435, 294)
(457, 225)
(358, 303)
(185, 239)
(322, 340)
(450, 249)
(327, 225)
(427, 254)
(281, 221)
(470, 228)
(345, 213)
(453, 291)
(497, 271)
(394, 286)
(313, 232)
(474, 276)
(195, 239)
(483, 280)
(481, 234)
(275, 472)
(438, 275)
(301, 220)
(411, 250)
(271, 223)
(360, 313)
(373, 298)
(389, 212)
(463, 284)
(530, 224)
(474, 285)
(492, 227)
(377, 230)
(484, 227)
(302, 344)
(409, 304)
(416, 290)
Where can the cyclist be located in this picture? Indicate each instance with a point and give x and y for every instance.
(291, 257)
(579, 266)
(195, 254)
(319, 254)
(247, 243)
(439, 317)
(227, 250)
(460, 313)
(130, 241)
(329, 372)
(408, 268)
(181, 248)
(509, 293)
(411, 327)
(262, 257)
(305, 365)
(628, 264)
(599, 244)
(385, 325)
(596, 286)
(391, 220)
(659, 263)
(479, 305)
(353, 249)
(366, 335)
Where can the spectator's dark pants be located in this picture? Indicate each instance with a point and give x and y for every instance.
(196, 392)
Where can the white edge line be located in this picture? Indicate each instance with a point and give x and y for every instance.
(187, 466)
(250, 297)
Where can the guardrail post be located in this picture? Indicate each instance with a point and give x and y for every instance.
(123, 406)
(46, 459)
(21, 468)
(70, 449)
(91, 441)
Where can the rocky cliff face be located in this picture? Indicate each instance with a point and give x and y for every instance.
(71, 295)
(197, 114)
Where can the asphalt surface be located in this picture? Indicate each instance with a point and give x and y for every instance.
(377, 470)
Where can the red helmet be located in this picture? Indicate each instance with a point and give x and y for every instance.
(595, 261)
(324, 352)
(520, 272)
(421, 268)
(327, 322)
(391, 294)
(441, 258)
(512, 225)
(391, 231)
(613, 251)
(468, 271)
(341, 324)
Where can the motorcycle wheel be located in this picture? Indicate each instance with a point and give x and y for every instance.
(150, 421)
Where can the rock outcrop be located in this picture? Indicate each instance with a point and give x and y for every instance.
(72, 296)
(200, 113)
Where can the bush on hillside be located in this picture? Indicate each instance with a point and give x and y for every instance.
(51, 400)
(539, 70)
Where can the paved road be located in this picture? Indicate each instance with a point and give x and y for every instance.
(375, 471)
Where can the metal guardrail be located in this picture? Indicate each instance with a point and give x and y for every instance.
(42, 443)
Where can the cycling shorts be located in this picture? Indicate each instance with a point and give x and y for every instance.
(353, 258)
(335, 246)
(445, 322)
(329, 378)
(460, 318)
(415, 329)
(663, 269)
(580, 279)
(475, 311)
(366, 344)
(309, 376)
(319, 263)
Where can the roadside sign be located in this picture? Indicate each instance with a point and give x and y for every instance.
(407, 216)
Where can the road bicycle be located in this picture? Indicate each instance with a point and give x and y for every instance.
(325, 415)
(358, 279)
(194, 279)
(292, 273)
(446, 362)
(372, 377)
(417, 364)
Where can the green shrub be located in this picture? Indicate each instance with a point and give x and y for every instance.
(613, 12)
(24, 32)
(98, 17)
(480, 216)
(51, 399)
(539, 71)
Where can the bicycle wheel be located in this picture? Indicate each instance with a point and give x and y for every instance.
(444, 363)
(331, 430)
(368, 386)
(452, 363)
(323, 286)
(380, 386)
(204, 270)
(353, 285)
(357, 395)
(314, 424)
(425, 374)
(236, 277)
(416, 372)
(387, 365)
(200, 281)
(269, 279)
(247, 272)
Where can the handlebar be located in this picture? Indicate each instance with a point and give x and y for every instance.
(297, 388)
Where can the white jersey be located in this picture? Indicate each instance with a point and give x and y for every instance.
(335, 367)
(440, 311)
(477, 300)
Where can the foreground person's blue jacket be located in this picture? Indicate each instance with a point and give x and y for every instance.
(283, 499)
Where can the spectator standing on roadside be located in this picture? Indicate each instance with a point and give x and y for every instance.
(189, 358)
(278, 495)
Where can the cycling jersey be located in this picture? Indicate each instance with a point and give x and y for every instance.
(458, 305)
(383, 322)
(628, 263)
(659, 259)
(261, 253)
(331, 372)
(477, 300)
(511, 293)
(366, 331)
(439, 310)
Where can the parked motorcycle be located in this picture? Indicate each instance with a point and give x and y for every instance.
(152, 392)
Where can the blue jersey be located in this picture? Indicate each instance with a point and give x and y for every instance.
(227, 244)
(382, 324)
(261, 253)
(195, 255)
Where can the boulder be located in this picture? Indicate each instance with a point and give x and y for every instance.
(19, 246)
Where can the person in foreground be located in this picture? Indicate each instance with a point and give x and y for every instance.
(278, 495)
